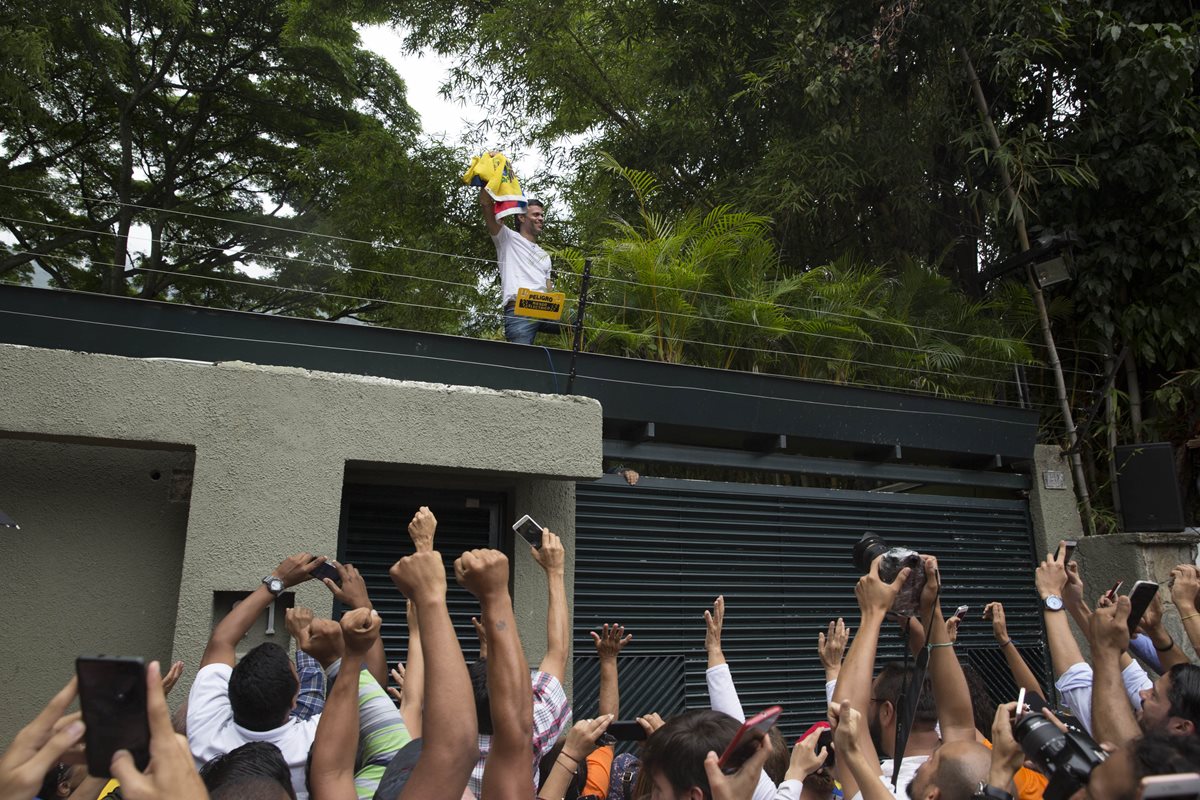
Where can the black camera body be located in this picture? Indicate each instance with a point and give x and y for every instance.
(1067, 758)
(870, 547)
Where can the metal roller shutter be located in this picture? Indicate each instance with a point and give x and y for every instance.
(654, 556)
(374, 536)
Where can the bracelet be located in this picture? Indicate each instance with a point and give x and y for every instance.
(1189, 616)
(564, 754)
(1168, 648)
(940, 644)
(568, 769)
(1004, 644)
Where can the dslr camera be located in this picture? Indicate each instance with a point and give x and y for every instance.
(870, 547)
(1067, 758)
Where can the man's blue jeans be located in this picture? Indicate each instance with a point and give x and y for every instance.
(521, 330)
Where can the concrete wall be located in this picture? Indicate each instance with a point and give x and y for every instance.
(271, 445)
(94, 568)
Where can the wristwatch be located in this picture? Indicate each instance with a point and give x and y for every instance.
(274, 585)
(1053, 603)
(987, 792)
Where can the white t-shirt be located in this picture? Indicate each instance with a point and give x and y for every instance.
(211, 730)
(523, 265)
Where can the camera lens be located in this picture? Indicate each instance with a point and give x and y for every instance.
(1039, 738)
(867, 549)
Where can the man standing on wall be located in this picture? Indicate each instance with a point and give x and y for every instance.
(523, 264)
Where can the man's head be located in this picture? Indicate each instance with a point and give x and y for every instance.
(1172, 704)
(263, 688)
(1158, 753)
(673, 757)
(887, 689)
(254, 770)
(953, 772)
(531, 222)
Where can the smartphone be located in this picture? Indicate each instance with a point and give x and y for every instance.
(824, 739)
(1181, 785)
(1112, 593)
(960, 612)
(528, 529)
(326, 570)
(1140, 596)
(112, 696)
(1069, 546)
(1020, 703)
(626, 730)
(752, 730)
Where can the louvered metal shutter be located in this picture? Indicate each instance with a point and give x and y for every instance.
(655, 555)
(374, 536)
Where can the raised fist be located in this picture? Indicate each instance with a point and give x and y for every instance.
(483, 573)
(360, 629)
(422, 528)
(421, 577)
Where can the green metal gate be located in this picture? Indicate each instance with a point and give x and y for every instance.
(654, 556)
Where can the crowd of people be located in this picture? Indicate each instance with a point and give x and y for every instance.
(337, 724)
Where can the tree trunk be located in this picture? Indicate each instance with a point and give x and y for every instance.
(1081, 486)
(1110, 417)
(1135, 397)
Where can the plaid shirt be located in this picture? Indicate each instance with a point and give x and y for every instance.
(551, 716)
(312, 686)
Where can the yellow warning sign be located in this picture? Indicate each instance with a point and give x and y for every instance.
(540, 305)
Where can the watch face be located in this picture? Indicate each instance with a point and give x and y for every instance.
(1054, 602)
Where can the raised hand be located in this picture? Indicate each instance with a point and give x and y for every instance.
(421, 577)
(582, 738)
(1109, 627)
(1073, 591)
(831, 646)
(171, 771)
(483, 573)
(876, 596)
(806, 759)
(740, 785)
(714, 622)
(611, 640)
(994, 612)
(1007, 755)
(297, 569)
(40, 745)
(172, 677)
(1185, 584)
(352, 592)
(398, 672)
(650, 723)
(422, 529)
(1051, 575)
(933, 585)
(360, 629)
(551, 555)
(481, 632)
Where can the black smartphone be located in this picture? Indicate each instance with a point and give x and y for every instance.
(626, 730)
(826, 740)
(528, 529)
(1140, 597)
(326, 570)
(1069, 546)
(112, 695)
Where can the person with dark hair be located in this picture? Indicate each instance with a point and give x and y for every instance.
(1172, 705)
(231, 705)
(673, 756)
(523, 265)
(252, 761)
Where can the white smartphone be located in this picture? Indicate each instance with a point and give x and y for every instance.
(1181, 785)
(1020, 703)
(528, 529)
(961, 612)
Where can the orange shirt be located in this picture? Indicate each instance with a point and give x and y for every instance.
(599, 771)
(1029, 784)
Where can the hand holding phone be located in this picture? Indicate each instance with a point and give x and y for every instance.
(326, 570)
(112, 696)
(752, 730)
(960, 612)
(1069, 546)
(626, 730)
(1116, 587)
(1140, 597)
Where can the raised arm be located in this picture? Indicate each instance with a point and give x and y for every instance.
(412, 699)
(610, 641)
(581, 741)
(1169, 652)
(1051, 578)
(1112, 715)
(450, 748)
(831, 646)
(1185, 584)
(1022, 674)
(722, 694)
(950, 692)
(848, 736)
(509, 768)
(236, 624)
(351, 591)
(331, 775)
(488, 206)
(1072, 597)
(875, 598)
(551, 556)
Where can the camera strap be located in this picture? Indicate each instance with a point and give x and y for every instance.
(910, 692)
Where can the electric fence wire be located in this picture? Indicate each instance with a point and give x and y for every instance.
(245, 253)
(929, 371)
(388, 245)
(707, 390)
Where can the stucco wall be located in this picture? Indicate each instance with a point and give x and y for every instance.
(271, 446)
(94, 568)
